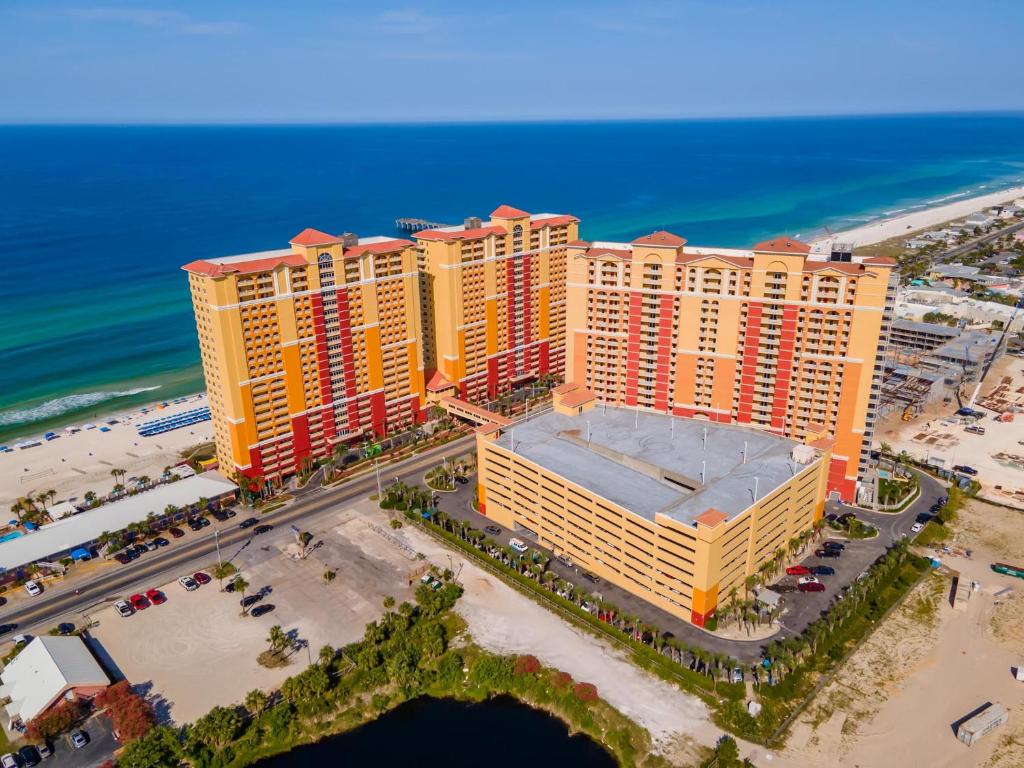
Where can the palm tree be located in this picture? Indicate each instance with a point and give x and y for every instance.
(326, 655)
(256, 701)
(277, 639)
(240, 586)
(144, 480)
(90, 497)
(749, 583)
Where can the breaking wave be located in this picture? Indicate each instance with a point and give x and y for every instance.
(60, 405)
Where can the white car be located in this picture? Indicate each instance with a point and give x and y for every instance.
(518, 545)
(33, 587)
(9, 761)
(188, 583)
(807, 580)
(123, 608)
(916, 528)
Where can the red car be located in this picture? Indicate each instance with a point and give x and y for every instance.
(201, 578)
(797, 570)
(138, 602)
(811, 586)
(176, 532)
(156, 596)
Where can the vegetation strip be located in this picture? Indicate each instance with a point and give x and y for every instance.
(416, 650)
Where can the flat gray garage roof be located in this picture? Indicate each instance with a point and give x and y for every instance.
(643, 463)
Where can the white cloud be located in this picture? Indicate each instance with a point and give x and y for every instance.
(170, 20)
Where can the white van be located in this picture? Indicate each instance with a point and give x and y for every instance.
(518, 545)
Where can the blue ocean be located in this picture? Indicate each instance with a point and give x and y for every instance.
(95, 222)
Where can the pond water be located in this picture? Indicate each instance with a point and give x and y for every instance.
(425, 732)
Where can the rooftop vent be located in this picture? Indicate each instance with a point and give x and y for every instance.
(349, 239)
(473, 222)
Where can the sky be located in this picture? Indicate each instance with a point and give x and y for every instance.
(273, 61)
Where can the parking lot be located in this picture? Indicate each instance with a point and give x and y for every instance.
(98, 751)
(197, 650)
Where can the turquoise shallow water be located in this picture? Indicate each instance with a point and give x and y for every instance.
(96, 221)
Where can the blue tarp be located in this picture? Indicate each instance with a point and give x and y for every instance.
(80, 554)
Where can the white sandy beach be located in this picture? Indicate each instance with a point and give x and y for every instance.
(926, 218)
(75, 463)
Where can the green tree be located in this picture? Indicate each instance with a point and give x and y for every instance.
(159, 748)
(277, 639)
(216, 729)
(256, 701)
(221, 571)
(240, 586)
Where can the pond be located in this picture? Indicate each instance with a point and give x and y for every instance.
(498, 732)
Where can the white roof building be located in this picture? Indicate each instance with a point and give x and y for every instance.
(76, 530)
(46, 670)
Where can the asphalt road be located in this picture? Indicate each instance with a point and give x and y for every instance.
(970, 245)
(158, 567)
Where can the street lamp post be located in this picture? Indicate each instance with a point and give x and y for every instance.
(216, 541)
(376, 469)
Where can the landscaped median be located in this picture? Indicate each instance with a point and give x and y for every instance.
(795, 665)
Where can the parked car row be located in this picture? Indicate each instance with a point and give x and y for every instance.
(26, 757)
(142, 601)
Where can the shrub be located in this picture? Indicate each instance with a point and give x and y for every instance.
(526, 665)
(586, 692)
(55, 721)
(563, 680)
(132, 716)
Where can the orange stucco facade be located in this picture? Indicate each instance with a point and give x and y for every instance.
(774, 336)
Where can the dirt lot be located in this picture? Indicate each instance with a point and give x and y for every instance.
(895, 702)
(197, 651)
(997, 455)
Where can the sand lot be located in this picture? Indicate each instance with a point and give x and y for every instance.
(929, 665)
(505, 621)
(197, 651)
(997, 455)
(75, 463)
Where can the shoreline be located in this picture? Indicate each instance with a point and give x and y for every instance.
(73, 463)
(882, 229)
(921, 216)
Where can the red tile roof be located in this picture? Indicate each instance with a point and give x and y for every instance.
(507, 212)
(212, 269)
(438, 383)
(552, 221)
(783, 244)
(579, 244)
(460, 234)
(578, 397)
(661, 238)
(888, 261)
(711, 517)
(823, 444)
(561, 389)
(310, 236)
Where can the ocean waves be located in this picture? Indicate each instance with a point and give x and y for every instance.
(60, 405)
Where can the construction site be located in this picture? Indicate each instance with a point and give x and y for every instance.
(977, 426)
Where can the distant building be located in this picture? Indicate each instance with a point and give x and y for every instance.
(677, 511)
(919, 242)
(978, 220)
(47, 671)
(920, 337)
